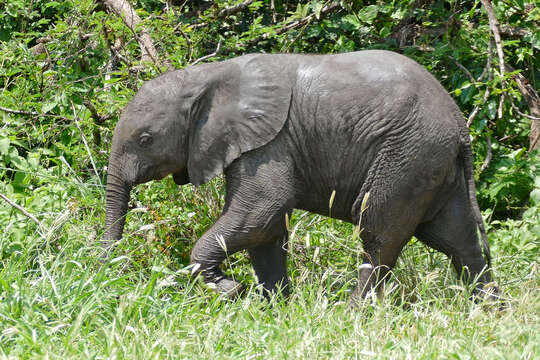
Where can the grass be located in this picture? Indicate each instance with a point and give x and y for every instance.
(58, 301)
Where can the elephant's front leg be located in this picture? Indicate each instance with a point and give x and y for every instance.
(258, 197)
(224, 238)
(236, 231)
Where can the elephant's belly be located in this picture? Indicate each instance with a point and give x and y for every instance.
(335, 203)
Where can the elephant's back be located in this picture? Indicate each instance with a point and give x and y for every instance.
(348, 108)
(373, 94)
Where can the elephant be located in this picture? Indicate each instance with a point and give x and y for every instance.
(372, 129)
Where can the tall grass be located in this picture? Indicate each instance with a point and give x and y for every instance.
(58, 301)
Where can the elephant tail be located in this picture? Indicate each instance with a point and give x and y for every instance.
(466, 155)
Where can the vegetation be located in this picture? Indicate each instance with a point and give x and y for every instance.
(67, 69)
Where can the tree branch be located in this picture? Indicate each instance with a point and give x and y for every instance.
(273, 10)
(489, 154)
(223, 13)
(99, 119)
(130, 18)
(188, 41)
(32, 113)
(19, 112)
(465, 70)
(85, 142)
(209, 55)
(487, 67)
(477, 108)
(486, 71)
(23, 211)
(233, 9)
(296, 24)
(514, 32)
(494, 27)
(533, 100)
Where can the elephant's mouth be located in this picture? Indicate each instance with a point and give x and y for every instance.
(148, 173)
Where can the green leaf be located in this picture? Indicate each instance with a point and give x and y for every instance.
(352, 20)
(317, 8)
(33, 161)
(534, 39)
(20, 181)
(535, 197)
(4, 146)
(491, 109)
(46, 107)
(519, 4)
(517, 154)
(385, 31)
(18, 162)
(494, 190)
(368, 14)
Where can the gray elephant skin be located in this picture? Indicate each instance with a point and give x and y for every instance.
(288, 131)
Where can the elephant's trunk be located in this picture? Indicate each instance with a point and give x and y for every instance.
(118, 191)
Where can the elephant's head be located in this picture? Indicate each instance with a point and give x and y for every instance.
(193, 123)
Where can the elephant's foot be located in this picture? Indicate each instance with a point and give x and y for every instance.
(106, 249)
(370, 286)
(219, 282)
(490, 294)
(229, 288)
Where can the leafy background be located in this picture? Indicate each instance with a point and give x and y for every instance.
(67, 69)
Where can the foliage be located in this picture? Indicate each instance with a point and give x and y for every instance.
(57, 57)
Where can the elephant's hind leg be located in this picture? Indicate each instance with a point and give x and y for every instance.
(381, 251)
(453, 231)
(395, 206)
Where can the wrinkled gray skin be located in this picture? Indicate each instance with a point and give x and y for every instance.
(288, 130)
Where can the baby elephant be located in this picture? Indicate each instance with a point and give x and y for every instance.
(289, 130)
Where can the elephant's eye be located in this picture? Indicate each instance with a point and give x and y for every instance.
(145, 139)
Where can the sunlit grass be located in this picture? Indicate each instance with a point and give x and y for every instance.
(58, 301)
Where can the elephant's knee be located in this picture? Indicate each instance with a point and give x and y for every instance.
(204, 262)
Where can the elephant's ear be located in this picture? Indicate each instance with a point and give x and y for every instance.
(243, 105)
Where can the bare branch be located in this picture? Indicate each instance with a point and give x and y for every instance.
(489, 154)
(234, 9)
(514, 32)
(188, 41)
(206, 57)
(130, 18)
(32, 113)
(465, 70)
(23, 211)
(273, 9)
(533, 100)
(494, 27)
(486, 71)
(19, 112)
(500, 107)
(296, 24)
(487, 67)
(99, 119)
(516, 109)
(477, 108)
